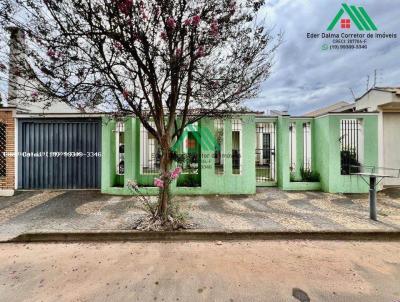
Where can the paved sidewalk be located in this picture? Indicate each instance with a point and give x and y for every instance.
(269, 210)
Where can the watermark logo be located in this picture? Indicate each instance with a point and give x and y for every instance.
(201, 136)
(352, 28)
(357, 15)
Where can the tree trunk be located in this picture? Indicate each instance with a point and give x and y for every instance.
(165, 166)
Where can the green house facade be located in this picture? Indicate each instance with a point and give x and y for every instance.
(236, 155)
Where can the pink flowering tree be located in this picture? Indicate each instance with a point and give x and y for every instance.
(169, 62)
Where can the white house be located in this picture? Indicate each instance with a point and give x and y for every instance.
(54, 141)
(385, 100)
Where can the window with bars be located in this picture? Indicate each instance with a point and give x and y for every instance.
(307, 146)
(3, 144)
(219, 149)
(191, 150)
(236, 146)
(120, 147)
(150, 152)
(350, 142)
(190, 159)
(292, 146)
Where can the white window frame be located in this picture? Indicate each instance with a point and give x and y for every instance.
(219, 124)
(238, 122)
(307, 146)
(292, 146)
(145, 149)
(119, 128)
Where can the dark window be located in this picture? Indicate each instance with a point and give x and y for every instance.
(236, 146)
(218, 153)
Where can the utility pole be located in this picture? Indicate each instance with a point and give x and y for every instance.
(367, 82)
(374, 78)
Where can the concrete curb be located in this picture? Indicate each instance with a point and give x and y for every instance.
(208, 235)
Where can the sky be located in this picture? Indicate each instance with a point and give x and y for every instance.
(304, 77)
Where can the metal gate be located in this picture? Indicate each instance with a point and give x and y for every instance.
(265, 152)
(59, 153)
(350, 135)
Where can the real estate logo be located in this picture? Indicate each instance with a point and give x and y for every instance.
(357, 15)
(352, 28)
(201, 136)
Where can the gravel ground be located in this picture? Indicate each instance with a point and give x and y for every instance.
(274, 209)
(270, 209)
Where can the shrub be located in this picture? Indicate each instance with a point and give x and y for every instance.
(348, 162)
(308, 175)
(189, 180)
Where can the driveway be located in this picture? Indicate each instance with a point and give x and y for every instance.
(270, 209)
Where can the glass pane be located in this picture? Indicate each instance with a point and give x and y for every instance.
(236, 152)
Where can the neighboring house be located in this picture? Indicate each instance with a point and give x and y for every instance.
(57, 147)
(386, 101)
(337, 107)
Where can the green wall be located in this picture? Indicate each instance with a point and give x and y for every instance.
(321, 146)
(325, 153)
(327, 146)
(211, 183)
(325, 133)
(284, 155)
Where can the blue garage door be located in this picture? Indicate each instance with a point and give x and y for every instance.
(59, 153)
